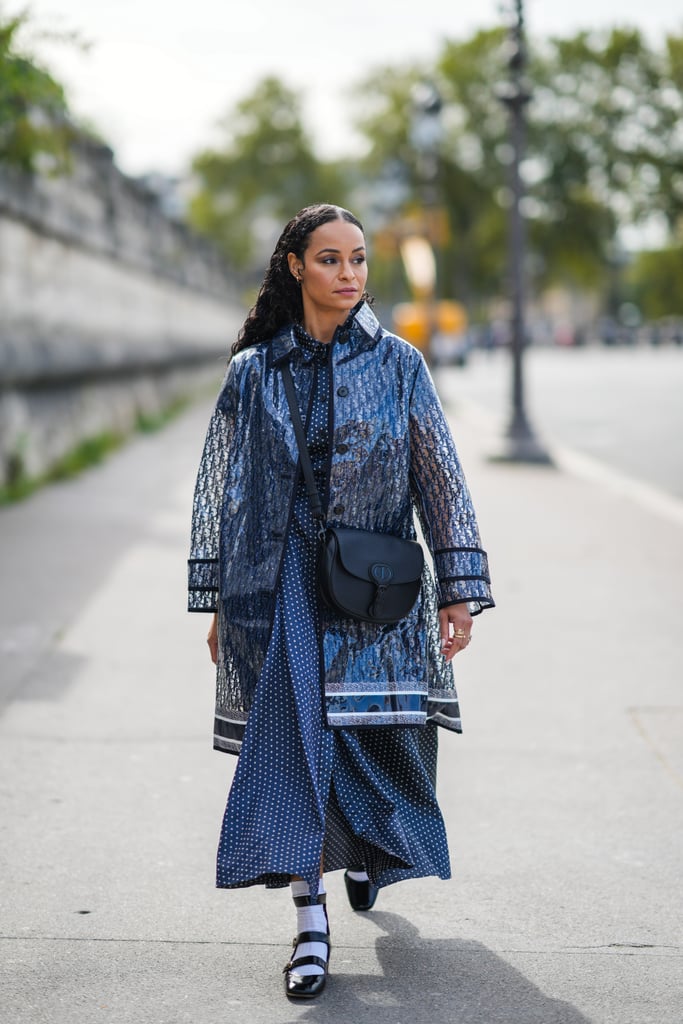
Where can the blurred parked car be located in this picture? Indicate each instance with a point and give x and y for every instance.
(450, 349)
(438, 329)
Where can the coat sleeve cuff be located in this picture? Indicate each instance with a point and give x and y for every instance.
(202, 575)
(202, 601)
(463, 577)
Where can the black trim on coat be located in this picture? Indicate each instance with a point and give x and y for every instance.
(446, 551)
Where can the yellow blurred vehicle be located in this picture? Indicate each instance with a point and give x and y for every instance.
(438, 329)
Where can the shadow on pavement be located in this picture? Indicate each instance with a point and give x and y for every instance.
(446, 981)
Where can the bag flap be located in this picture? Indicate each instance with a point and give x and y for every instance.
(378, 557)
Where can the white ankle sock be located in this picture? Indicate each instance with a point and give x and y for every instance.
(310, 918)
(358, 876)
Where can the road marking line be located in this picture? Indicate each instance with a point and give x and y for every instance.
(577, 463)
(649, 497)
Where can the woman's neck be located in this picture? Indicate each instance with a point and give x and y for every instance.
(322, 327)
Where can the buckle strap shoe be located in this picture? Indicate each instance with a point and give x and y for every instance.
(308, 901)
(307, 986)
(362, 895)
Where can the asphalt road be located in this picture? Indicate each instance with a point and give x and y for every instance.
(623, 406)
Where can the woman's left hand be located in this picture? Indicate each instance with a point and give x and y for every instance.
(455, 626)
(212, 638)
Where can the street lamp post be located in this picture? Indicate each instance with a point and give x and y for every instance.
(425, 135)
(521, 443)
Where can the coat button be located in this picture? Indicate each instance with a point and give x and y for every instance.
(343, 338)
(342, 391)
(342, 449)
(338, 510)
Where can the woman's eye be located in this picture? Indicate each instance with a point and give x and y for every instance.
(330, 260)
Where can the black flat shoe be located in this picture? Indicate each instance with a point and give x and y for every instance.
(362, 895)
(307, 986)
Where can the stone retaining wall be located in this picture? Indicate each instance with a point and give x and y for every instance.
(108, 310)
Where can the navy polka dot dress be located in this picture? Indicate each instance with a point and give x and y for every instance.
(300, 789)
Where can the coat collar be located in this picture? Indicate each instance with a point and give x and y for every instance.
(362, 325)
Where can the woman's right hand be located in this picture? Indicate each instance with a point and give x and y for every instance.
(212, 638)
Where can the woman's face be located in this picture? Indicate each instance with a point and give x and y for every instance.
(333, 270)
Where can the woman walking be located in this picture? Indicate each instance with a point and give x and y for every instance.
(334, 719)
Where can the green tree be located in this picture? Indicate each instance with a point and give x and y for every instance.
(604, 151)
(34, 122)
(266, 171)
(474, 178)
(654, 280)
(469, 179)
(605, 131)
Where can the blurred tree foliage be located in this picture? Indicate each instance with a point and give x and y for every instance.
(606, 135)
(34, 123)
(654, 280)
(604, 151)
(266, 171)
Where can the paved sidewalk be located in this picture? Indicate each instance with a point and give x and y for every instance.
(563, 800)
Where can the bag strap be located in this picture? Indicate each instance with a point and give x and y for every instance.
(304, 456)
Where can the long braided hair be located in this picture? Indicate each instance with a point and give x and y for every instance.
(279, 298)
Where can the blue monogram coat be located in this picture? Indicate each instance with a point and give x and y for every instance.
(392, 455)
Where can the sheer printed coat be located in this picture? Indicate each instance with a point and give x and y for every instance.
(391, 455)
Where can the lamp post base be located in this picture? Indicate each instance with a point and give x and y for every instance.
(522, 446)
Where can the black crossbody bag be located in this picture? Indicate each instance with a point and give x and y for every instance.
(363, 575)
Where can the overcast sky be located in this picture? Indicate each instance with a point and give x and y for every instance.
(160, 74)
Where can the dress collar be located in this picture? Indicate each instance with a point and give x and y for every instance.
(311, 348)
(361, 323)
